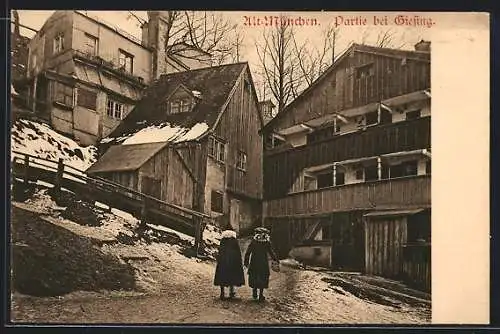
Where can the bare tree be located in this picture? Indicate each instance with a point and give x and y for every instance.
(206, 31)
(313, 60)
(278, 63)
(384, 39)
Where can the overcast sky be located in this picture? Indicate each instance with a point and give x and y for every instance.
(347, 34)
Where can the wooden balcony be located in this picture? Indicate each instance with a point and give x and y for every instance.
(282, 167)
(405, 192)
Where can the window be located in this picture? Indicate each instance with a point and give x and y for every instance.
(371, 118)
(63, 94)
(385, 117)
(90, 45)
(408, 168)
(174, 107)
(126, 61)
(115, 109)
(58, 43)
(365, 71)
(414, 114)
(87, 99)
(309, 182)
(371, 173)
(217, 149)
(360, 174)
(242, 161)
(339, 178)
(182, 105)
(216, 199)
(325, 180)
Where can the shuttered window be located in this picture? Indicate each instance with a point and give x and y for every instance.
(216, 200)
(87, 99)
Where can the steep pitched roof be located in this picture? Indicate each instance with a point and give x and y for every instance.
(411, 54)
(125, 157)
(214, 83)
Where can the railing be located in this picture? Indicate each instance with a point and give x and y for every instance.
(405, 192)
(26, 168)
(281, 168)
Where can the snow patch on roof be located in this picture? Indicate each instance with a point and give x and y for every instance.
(196, 93)
(162, 133)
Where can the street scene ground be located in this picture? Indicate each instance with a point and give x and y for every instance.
(68, 272)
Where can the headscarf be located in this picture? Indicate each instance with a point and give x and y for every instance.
(261, 234)
(228, 234)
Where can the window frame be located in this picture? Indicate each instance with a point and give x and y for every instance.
(219, 204)
(124, 55)
(61, 96)
(58, 44)
(111, 111)
(95, 46)
(216, 149)
(241, 161)
(87, 95)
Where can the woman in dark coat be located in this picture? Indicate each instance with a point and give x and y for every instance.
(256, 259)
(229, 270)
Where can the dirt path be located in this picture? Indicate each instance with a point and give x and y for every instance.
(295, 296)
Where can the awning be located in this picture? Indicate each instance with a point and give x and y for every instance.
(407, 98)
(407, 153)
(319, 168)
(353, 161)
(392, 213)
(299, 128)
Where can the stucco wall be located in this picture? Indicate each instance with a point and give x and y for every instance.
(109, 44)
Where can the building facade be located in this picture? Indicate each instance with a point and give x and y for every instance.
(194, 141)
(85, 75)
(347, 164)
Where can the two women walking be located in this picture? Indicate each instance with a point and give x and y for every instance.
(229, 270)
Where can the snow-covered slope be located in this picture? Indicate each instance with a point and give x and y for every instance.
(40, 140)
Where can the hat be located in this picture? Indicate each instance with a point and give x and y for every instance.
(261, 230)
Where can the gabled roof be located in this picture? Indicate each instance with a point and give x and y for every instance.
(125, 157)
(388, 52)
(214, 83)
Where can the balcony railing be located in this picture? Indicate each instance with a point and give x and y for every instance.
(281, 168)
(405, 192)
(112, 66)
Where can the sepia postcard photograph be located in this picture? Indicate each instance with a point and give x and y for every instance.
(203, 167)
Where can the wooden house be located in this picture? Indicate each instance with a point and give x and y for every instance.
(347, 164)
(194, 141)
(85, 75)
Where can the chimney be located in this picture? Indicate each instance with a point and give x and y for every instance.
(266, 108)
(424, 46)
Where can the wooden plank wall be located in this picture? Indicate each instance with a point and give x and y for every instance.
(383, 240)
(407, 192)
(282, 168)
(340, 89)
(239, 127)
(176, 183)
(416, 267)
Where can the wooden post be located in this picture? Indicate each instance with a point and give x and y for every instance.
(334, 174)
(59, 177)
(144, 213)
(199, 167)
(33, 105)
(379, 168)
(26, 170)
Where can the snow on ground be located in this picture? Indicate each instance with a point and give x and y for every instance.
(162, 133)
(40, 140)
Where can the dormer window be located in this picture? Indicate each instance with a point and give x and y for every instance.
(181, 105)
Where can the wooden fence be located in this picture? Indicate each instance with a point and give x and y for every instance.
(27, 168)
(417, 265)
